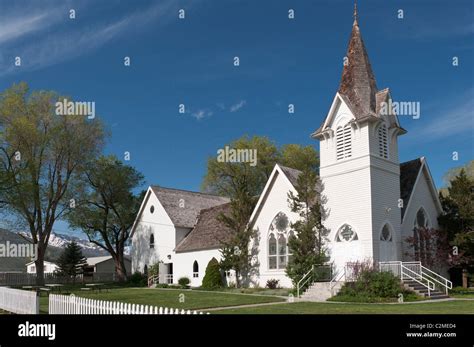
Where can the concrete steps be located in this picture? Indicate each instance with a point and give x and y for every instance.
(423, 291)
(321, 291)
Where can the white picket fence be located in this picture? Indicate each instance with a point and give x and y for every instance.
(19, 301)
(70, 304)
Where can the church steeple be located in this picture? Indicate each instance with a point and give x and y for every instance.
(358, 82)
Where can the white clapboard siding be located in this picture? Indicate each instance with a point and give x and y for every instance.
(64, 304)
(19, 301)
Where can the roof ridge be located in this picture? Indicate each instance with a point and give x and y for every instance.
(188, 191)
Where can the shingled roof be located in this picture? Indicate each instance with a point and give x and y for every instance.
(185, 216)
(291, 173)
(358, 81)
(209, 232)
(408, 174)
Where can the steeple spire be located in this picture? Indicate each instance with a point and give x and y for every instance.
(355, 12)
(358, 82)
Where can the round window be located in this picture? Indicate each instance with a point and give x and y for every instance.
(152, 209)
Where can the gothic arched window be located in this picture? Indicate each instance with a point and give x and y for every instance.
(343, 142)
(278, 234)
(421, 239)
(383, 141)
(386, 234)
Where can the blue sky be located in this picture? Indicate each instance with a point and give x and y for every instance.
(282, 61)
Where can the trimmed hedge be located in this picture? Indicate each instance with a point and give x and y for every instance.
(212, 279)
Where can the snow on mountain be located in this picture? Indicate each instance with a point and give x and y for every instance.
(61, 240)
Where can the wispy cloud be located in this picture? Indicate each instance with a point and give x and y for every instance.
(200, 114)
(63, 41)
(237, 106)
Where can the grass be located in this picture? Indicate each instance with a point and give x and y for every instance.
(441, 307)
(259, 291)
(193, 299)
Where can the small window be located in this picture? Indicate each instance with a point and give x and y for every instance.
(152, 209)
(344, 142)
(386, 234)
(346, 234)
(383, 142)
(152, 241)
(195, 269)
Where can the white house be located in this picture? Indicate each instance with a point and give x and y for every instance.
(105, 264)
(373, 200)
(49, 267)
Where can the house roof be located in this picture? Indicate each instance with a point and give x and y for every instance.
(45, 262)
(408, 174)
(209, 232)
(92, 261)
(291, 174)
(173, 199)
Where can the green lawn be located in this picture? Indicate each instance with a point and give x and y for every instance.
(444, 307)
(193, 299)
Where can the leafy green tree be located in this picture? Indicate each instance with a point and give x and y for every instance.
(303, 158)
(236, 251)
(107, 207)
(458, 217)
(307, 246)
(41, 156)
(222, 176)
(71, 262)
(212, 278)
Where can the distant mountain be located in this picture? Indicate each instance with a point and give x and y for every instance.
(57, 243)
(60, 241)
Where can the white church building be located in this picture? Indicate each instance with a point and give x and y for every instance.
(373, 201)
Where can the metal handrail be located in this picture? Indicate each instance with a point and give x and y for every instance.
(414, 279)
(337, 277)
(425, 273)
(152, 279)
(306, 279)
(447, 283)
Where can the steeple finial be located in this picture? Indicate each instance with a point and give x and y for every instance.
(355, 12)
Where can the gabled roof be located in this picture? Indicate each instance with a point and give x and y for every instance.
(410, 173)
(194, 202)
(92, 261)
(209, 232)
(289, 174)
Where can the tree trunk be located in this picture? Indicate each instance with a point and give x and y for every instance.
(39, 264)
(464, 278)
(120, 269)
